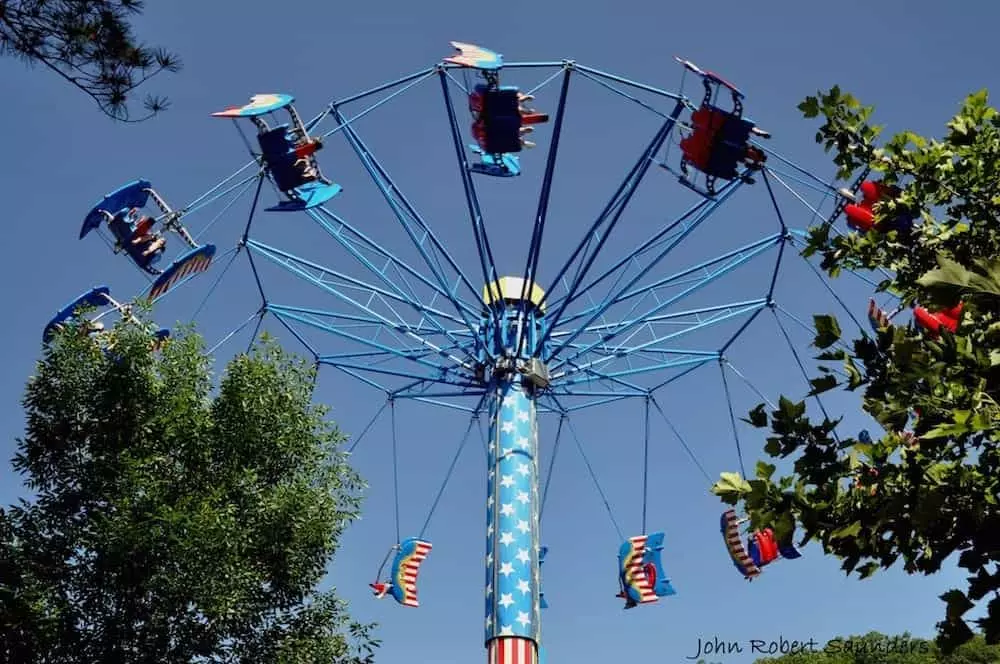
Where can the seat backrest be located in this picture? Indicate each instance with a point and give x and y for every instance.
(121, 224)
(502, 102)
(275, 141)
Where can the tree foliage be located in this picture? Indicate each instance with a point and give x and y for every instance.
(89, 43)
(876, 648)
(173, 522)
(929, 488)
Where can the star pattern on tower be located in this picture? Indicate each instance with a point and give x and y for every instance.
(512, 520)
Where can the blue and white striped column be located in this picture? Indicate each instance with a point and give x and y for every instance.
(513, 625)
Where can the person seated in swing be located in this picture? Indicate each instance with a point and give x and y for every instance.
(381, 589)
(149, 244)
(141, 236)
(623, 593)
(407, 557)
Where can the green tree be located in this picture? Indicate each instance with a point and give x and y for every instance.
(914, 497)
(90, 44)
(174, 522)
(876, 648)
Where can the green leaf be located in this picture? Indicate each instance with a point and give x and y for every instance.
(848, 531)
(809, 107)
(757, 417)
(867, 570)
(951, 275)
(822, 384)
(765, 470)
(958, 426)
(791, 410)
(949, 272)
(731, 487)
(942, 431)
(827, 331)
(938, 472)
(981, 421)
(854, 377)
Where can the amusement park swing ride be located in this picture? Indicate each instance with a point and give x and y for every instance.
(515, 347)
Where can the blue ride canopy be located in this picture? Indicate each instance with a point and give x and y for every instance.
(260, 104)
(640, 570)
(135, 194)
(288, 152)
(161, 335)
(95, 297)
(134, 233)
(475, 57)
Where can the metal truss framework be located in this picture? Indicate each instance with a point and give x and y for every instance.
(417, 329)
(417, 325)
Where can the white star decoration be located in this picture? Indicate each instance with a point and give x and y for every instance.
(512, 516)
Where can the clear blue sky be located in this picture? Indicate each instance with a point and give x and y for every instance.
(914, 60)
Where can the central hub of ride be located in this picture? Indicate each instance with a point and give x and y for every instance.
(511, 331)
